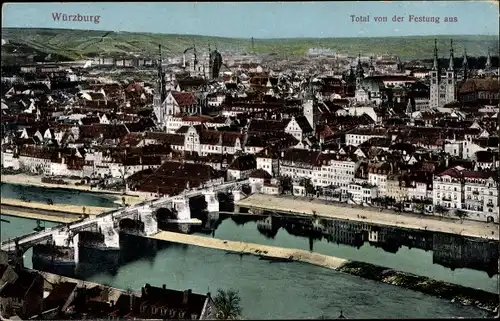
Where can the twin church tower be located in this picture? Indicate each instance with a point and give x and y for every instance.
(443, 86)
(445, 82)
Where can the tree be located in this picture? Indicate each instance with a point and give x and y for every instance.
(228, 304)
(309, 187)
(420, 207)
(441, 210)
(286, 183)
(461, 215)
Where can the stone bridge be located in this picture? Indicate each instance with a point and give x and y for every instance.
(108, 223)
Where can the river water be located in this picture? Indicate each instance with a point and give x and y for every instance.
(282, 290)
(414, 260)
(57, 195)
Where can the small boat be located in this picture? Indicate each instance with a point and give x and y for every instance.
(272, 259)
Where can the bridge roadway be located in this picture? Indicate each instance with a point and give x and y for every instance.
(37, 237)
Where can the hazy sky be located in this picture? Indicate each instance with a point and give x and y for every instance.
(264, 20)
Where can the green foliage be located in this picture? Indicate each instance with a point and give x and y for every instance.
(440, 210)
(420, 207)
(461, 214)
(228, 304)
(78, 44)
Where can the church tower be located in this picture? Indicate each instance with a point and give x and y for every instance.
(160, 93)
(210, 63)
(371, 70)
(409, 108)
(488, 62)
(308, 107)
(450, 94)
(434, 85)
(194, 63)
(465, 66)
(359, 72)
(399, 65)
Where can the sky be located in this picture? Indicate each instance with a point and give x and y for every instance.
(264, 19)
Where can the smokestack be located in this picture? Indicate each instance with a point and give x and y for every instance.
(184, 60)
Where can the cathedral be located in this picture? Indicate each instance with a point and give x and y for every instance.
(444, 83)
(207, 68)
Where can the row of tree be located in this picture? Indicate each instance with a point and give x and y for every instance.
(286, 184)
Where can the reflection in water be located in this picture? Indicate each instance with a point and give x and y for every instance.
(450, 251)
(304, 290)
(313, 288)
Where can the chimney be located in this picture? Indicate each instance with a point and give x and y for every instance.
(164, 286)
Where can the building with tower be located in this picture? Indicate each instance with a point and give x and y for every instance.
(310, 111)
(443, 82)
(160, 93)
(214, 64)
(371, 69)
(360, 73)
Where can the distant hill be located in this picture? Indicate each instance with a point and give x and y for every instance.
(78, 44)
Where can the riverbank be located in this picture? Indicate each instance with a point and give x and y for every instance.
(309, 207)
(62, 218)
(456, 293)
(465, 295)
(131, 198)
(56, 208)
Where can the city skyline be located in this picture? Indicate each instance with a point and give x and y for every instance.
(274, 20)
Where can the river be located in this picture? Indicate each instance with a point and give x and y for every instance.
(268, 290)
(414, 260)
(281, 290)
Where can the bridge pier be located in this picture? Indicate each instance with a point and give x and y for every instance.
(76, 248)
(148, 217)
(212, 201)
(111, 235)
(237, 195)
(181, 205)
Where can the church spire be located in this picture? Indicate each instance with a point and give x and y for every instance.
(359, 67)
(488, 61)
(435, 65)
(161, 77)
(451, 66)
(465, 65)
(409, 107)
(400, 64)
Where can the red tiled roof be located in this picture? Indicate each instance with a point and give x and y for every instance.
(184, 99)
